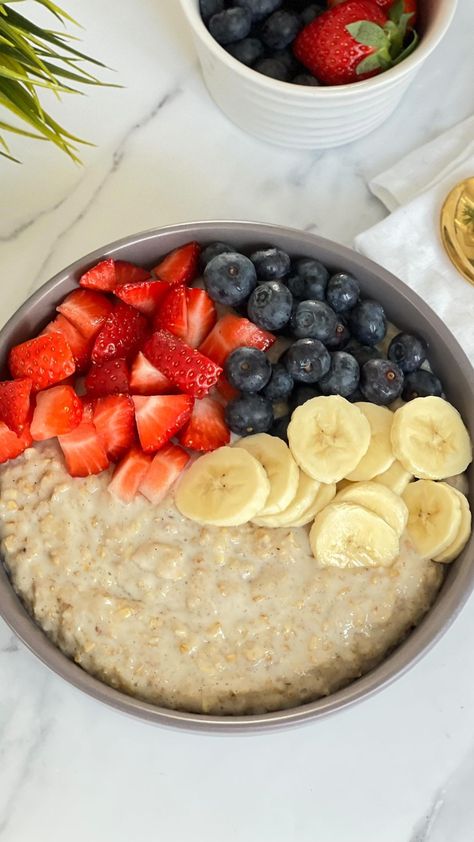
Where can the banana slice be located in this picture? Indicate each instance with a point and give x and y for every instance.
(378, 499)
(303, 499)
(224, 488)
(430, 439)
(434, 516)
(396, 478)
(347, 535)
(463, 535)
(328, 436)
(281, 469)
(379, 456)
(325, 495)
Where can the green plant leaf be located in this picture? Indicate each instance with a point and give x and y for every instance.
(367, 65)
(367, 33)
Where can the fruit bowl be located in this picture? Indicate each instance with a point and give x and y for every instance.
(407, 311)
(317, 117)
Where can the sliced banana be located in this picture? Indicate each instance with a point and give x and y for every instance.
(434, 516)
(328, 436)
(379, 456)
(396, 478)
(430, 439)
(378, 499)
(303, 499)
(464, 533)
(325, 495)
(347, 535)
(224, 488)
(280, 467)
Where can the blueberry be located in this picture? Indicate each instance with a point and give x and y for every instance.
(247, 369)
(229, 278)
(362, 353)
(208, 8)
(367, 322)
(421, 384)
(280, 29)
(259, 9)
(407, 351)
(230, 25)
(311, 12)
(313, 320)
(355, 396)
(309, 279)
(247, 51)
(213, 250)
(271, 264)
(249, 414)
(342, 377)
(307, 360)
(381, 381)
(273, 68)
(302, 394)
(287, 58)
(306, 79)
(280, 385)
(270, 305)
(342, 292)
(279, 428)
(340, 337)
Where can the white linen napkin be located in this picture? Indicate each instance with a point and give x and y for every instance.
(408, 243)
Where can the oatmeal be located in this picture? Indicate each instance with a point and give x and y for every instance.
(204, 619)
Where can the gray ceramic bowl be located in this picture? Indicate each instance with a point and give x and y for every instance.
(406, 310)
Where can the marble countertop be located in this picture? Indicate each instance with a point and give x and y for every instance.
(397, 768)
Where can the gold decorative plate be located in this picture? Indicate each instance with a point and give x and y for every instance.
(457, 227)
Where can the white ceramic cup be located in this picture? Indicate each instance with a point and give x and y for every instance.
(311, 117)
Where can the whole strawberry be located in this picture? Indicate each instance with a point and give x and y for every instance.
(407, 7)
(350, 42)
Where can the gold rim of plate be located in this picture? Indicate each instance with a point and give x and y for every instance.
(457, 227)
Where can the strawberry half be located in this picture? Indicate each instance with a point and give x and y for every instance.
(114, 419)
(228, 392)
(12, 445)
(107, 378)
(57, 411)
(159, 417)
(128, 475)
(144, 296)
(187, 368)
(79, 345)
(109, 274)
(86, 309)
(202, 316)
(121, 334)
(233, 332)
(129, 273)
(180, 266)
(206, 429)
(83, 451)
(47, 359)
(172, 313)
(15, 403)
(163, 472)
(145, 379)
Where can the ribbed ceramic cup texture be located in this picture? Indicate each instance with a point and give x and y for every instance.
(311, 117)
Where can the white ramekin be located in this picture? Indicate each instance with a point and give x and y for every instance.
(310, 118)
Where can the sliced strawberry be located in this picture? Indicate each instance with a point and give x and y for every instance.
(86, 309)
(87, 408)
(233, 332)
(57, 411)
(228, 392)
(83, 451)
(144, 296)
(189, 370)
(172, 313)
(15, 403)
(164, 470)
(12, 445)
(128, 273)
(114, 419)
(145, 379)
(79, 345)
(159, 417)
(101, 276)
(121, 335)
(46, 360)
(107, 378)
(202, 316)
(180, 266)
(128, 475)
(206, 429)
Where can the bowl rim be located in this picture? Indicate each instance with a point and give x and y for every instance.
(425, 47)
(449, 603)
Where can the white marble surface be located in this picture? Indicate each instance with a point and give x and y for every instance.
(398, 768)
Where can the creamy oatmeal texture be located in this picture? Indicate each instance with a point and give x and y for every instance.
(204, 619)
